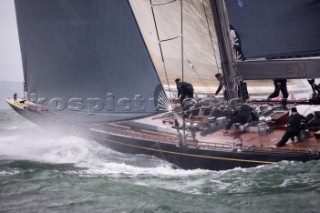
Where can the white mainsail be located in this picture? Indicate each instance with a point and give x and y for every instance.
(201, 57)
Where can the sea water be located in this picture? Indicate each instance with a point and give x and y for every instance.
(42, 172)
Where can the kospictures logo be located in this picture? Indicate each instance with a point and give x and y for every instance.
(110, 103)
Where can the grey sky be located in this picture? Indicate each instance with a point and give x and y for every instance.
(10, 57)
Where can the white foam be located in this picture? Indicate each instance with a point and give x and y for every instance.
(44, 148)
(97, 159)
(9, 173)
(81, 152)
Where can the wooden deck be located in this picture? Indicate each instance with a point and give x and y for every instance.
(156, 130)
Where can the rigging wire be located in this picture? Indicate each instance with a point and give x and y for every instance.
(182, 64)
(182, 72)
(160, 47)
(211, 37)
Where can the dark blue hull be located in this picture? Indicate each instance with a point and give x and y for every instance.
(193, 157)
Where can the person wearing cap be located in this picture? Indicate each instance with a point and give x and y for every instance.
(293, 127)
(185, 89)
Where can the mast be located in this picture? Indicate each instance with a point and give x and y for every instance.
(227, 58)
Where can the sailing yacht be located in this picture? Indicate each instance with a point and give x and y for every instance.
(106, 69)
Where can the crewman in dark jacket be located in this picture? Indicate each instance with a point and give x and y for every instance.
(280, 85)
(184, 89)
(244, 114)
(293, 127)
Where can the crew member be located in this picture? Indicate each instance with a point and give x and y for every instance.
(293, 127)
(316, 92)
(244, 114)
(184, 89)
(280, 85)
(314, 122)
(314, 86)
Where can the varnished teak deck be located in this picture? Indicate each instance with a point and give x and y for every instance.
(216, 140)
